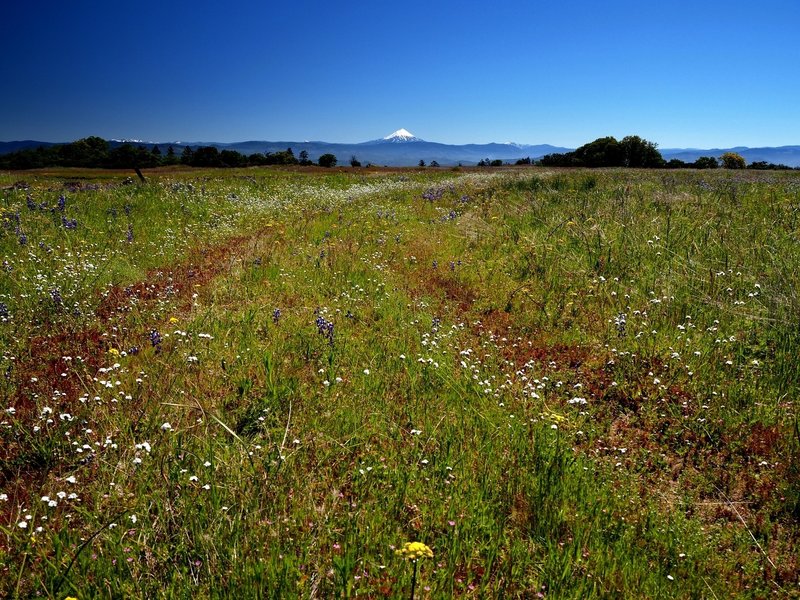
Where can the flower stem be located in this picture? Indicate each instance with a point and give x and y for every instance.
(414, 580)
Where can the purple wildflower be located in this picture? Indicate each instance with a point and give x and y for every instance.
(55, 296)
(155, 339)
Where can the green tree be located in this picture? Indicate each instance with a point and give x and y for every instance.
(187, 155)
(257, 159)
(603, 152)
(677, 163)
(637, 152)
(127, 156)
(327, 160)
(705, 162)
(354, 162)
(304, 160)
(87, 152)
(232, 158)
(421, 163)
(732, 160)
(170, 158)
(206, 156)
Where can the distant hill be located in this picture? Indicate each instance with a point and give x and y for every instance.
(398, 149)
(402, 148)
(8, 147)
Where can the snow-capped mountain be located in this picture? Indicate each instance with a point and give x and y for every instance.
(402, 135)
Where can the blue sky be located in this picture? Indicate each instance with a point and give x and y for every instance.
(682, 74)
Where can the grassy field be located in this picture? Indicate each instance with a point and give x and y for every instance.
(263, 383)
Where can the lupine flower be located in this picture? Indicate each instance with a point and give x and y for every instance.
(155, 339)
(433, 194)
(276, 315)
(620, 321)
(325, 328)
(55, 296)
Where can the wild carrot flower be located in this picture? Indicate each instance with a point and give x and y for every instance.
(414, 551)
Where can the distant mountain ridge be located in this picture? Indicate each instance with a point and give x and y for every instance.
(786, 155)
(403, 148)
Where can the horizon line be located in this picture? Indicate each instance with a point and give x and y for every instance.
(419, 140)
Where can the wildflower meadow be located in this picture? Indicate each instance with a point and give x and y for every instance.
(430, 383)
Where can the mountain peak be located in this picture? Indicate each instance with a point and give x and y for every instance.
(402, 135)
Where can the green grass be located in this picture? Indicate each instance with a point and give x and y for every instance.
(568, 384)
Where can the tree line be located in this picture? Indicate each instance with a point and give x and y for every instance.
(635, 152)
(95, 152)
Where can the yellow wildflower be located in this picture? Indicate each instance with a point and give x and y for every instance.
(113, 352)
(172, 320)
(414, 551)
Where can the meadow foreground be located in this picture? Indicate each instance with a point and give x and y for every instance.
(263, 383)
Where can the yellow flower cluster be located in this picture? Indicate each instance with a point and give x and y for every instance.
(414, 551)
(113, 352)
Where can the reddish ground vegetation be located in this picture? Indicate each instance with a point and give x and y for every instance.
(41, 372)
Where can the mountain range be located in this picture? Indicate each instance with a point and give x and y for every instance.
(402, 148)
